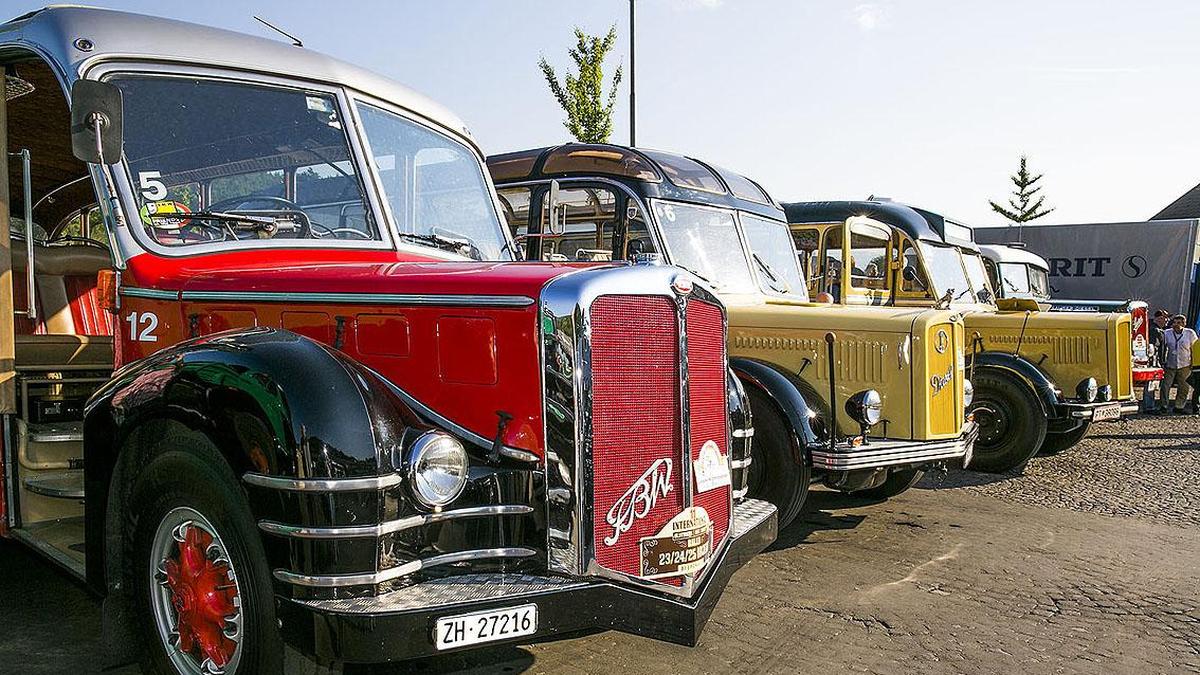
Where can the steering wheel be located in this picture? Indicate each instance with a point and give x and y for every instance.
(321, 230)
(289, 207)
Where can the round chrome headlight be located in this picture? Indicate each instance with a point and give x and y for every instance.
(437, 468)
(865, 407)
(968, 393)
(1105, 393)
(1087, 390)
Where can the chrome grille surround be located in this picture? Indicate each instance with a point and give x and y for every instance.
(566, 357)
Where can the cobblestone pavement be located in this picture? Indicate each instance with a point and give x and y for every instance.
(1087, 563)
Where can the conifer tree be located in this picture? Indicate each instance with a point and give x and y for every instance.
(589, 112)
(1025, 204)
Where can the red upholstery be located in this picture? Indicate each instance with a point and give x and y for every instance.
(89, 317)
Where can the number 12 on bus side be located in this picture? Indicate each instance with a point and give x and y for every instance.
(477, 627)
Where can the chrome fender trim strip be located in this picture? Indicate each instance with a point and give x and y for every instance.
(389, 526)
(338, 580)
(323, 484)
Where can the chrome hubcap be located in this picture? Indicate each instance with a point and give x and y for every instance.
(195, 595)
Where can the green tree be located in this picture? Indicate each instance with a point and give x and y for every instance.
(1025, 204)
(589, 111)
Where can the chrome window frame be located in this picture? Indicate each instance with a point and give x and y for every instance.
(355, 97)
(651, 226)
(126, 190)
(565, 308)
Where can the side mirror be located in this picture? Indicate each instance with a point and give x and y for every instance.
(96, 126)
(911, 275)
(555, 225)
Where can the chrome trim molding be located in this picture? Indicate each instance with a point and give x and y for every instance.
(323, 484)
(740, 463)
(389, 526)
(149, 293)
(410, 567)
(363, 298)
(743, 433)
(882, 452)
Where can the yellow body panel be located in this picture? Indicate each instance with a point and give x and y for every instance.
(1069, 346)
(870, 349)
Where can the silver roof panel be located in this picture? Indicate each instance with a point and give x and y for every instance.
(127, 36)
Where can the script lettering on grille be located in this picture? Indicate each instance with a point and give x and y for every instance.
(639, 499)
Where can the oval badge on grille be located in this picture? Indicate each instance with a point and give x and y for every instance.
(942, 342)
(682, 284)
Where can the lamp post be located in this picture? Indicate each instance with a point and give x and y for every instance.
(632, 80)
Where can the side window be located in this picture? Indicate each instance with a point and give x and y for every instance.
(831, 263)
(87, 223)
(587, 218)
(911, 259)
(993, 276)
(514, 205)
(868, 258)
(637, 234)
(808, 243)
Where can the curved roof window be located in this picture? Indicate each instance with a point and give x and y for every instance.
(743, 187)
(599, 159)
(513, 165)
(687, 173)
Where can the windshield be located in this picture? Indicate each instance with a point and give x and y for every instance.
(214, 160)
(1015, 277)
(1039, 282)
(705, 241)
(434, 185)
(945, 269)
(977, 273)
(774, 256)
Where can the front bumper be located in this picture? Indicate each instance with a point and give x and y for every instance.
(1110, 411)
(886, 452)
(399, 625)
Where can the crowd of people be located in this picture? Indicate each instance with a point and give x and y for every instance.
(1175, 346)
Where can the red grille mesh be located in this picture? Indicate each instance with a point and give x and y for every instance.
(635, 415)
(706, 401)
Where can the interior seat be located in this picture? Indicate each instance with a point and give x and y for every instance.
(72, 329)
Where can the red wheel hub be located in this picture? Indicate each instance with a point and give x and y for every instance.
(203, 596)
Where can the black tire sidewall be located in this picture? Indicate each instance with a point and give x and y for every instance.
(189, 475)
(784, 481)
(1055, 443)
(1026, 428)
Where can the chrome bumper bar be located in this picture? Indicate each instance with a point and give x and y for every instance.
(879, 453)
(1086, 411)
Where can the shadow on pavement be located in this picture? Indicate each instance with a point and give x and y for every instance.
(504, 659)
(962, 478)
(816, 518)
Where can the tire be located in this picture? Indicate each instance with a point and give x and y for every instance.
(1057, 442)
(193, 537)
(896, 483)
(1011, 422)
(774, 473)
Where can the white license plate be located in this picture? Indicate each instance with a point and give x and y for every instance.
(497, 624)
(1107, 412)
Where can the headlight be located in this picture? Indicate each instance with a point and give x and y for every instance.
(437, 468)
(1087, 390)
(1105, 393)
(968, 393)
(865, 407)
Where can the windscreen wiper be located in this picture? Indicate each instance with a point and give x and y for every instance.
(778, 284)
(463, 248)
(250, 222)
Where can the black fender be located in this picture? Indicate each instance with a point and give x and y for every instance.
(1024, 371)
(785, 390)
(271, 402)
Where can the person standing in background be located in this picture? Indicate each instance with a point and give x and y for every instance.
(1161, 319)
(1178, 341)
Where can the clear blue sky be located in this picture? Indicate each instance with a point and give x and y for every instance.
(926, 102)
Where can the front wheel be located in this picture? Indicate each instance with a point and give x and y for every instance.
(1057, 442)
(1011, 423)
(202, 587)
(775, 474)
(896, 483)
